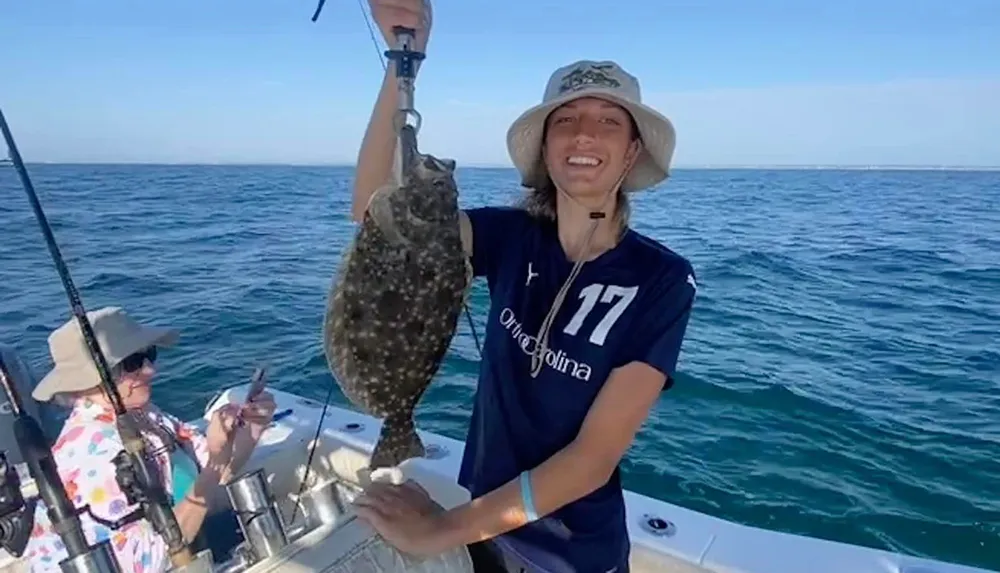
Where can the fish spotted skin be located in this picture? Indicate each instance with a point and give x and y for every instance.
(394, 307)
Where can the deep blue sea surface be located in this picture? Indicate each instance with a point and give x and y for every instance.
(840, 377)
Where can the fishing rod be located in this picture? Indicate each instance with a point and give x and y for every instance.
(135, 470)
(17, 515)
(407, 61)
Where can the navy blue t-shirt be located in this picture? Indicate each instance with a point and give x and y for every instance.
(632, 303)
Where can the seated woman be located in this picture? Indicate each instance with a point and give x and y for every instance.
(192, 464)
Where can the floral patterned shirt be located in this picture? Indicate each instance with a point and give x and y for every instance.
(83, 453)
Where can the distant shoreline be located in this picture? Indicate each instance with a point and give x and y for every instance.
(510, 168)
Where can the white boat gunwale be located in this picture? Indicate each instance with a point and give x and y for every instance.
(665, 537)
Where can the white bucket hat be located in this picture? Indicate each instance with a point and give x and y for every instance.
(118, 336)
(608, 81)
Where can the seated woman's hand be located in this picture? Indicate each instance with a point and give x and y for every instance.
(255, 417)
(219, 436)
(258, 414)
(220, 429)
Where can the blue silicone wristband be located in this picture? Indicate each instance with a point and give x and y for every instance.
(526, 497)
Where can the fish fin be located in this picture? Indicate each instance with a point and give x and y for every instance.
(380, 211)
(397, 442)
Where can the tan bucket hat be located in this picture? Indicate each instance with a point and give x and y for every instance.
(118, 336)
(606, 80)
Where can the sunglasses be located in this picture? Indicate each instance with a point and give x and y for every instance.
(135, 361)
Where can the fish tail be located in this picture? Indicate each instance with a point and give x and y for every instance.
(398, 441)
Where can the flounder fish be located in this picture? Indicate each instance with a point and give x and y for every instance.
(394, 306)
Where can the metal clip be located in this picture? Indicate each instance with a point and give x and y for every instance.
(406, 59)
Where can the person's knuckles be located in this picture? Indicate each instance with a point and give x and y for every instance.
(377, 489)
(415, 486)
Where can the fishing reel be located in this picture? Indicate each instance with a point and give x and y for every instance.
(139, 478)
(129, 482)
(134, 478)
(17, 515)
(17, 519)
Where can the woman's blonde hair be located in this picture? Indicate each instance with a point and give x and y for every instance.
(539, 199)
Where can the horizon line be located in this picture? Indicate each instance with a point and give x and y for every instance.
(688, 167)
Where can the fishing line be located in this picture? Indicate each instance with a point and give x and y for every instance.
(76, 305)
(312, 452)
(371, 29)
(381, 59)
(371, 33)
(332, 385)
(329, 395)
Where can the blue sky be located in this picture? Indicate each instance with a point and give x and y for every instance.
(746, 82)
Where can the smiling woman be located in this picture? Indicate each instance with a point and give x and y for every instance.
(576, 174)
(561, 394)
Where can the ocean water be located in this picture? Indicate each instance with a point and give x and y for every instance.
(840, 377)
